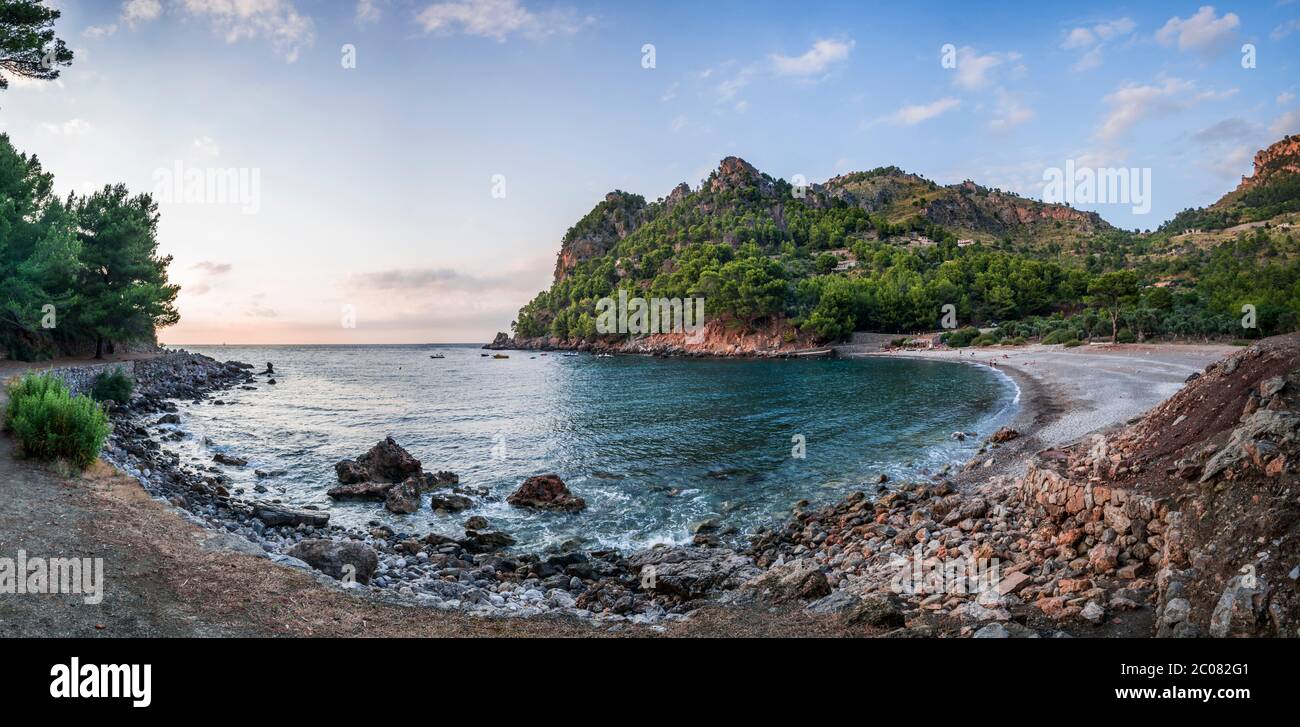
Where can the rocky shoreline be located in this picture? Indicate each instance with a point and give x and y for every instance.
(1050, 548)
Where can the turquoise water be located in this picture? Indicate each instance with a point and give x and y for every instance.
(654, 445)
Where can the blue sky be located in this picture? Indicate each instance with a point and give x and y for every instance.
(376, 182)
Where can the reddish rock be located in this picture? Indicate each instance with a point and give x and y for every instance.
(1103, 558)
(1075, 585)
(403, 499)
(388, 462)
(1005, 434)
(546, 492)
(350, 472)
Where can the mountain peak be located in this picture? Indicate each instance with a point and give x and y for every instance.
(1281, 157)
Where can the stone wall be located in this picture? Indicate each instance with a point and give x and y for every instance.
(80, 379)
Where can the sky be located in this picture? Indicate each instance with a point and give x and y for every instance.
(402, 171)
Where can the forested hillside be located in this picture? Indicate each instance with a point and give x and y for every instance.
(885, 250)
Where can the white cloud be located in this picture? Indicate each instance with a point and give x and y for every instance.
(1133, 102)
(30, 84)
(206, 147)
(671, 93)
(100, 31)
(368, 11)
(974, 70)
(1011, 112)
(73, 127)
(727, 90)
(499, 19)
(1287, 123)
(913, 114)
(1284, 98)
(1092, 39)
(821, 56)
(1087, 36)
(1203, 32)
(1285, 29)
(1234, 162)
(678, 123)
(276, 20)
(140, 11)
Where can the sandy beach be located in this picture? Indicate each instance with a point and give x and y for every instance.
(1068, 393)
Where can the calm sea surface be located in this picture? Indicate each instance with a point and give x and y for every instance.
(654, 445)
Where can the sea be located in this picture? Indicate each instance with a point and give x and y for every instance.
(656, 446)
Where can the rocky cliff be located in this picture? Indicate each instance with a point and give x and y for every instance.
(1280, 158)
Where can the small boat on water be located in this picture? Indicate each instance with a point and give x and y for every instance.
(604, 355)
(499, 355)
(436, 355)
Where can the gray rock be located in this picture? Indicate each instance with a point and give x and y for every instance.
(343, 560)
(994, 630)
(275, 515)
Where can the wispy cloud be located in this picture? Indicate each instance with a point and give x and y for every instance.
(815, 61)
(277, 21)
(1092, 39)
(1011, 112)
(913, 114)
(1205, 32)
(72, 127)
(974, 71)
(499, 19)
(1133, 103)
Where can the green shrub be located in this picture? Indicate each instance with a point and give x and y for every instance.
(49, 423)
(1072, 344)
(113, 385)
(1060, 335)
(1017, 341)
(984, 339)
(1125, 336)
(961, 337)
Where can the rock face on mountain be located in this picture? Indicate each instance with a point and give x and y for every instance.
(618, 216)
(966, 206)
(1280, 158)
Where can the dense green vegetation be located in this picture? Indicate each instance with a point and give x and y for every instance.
(49, 423)
(758, 253)
(113, 385)
(76, 273)
(28, 46)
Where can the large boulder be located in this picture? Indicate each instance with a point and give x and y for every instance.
(449, 503)
(688, 573)
(485, 542)
(340, 559)
(546, 492)
(385, 462)
(800, 579)
(403, 499)
(350, 472)
(388, 462)
(361, 491)
(274, 515)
